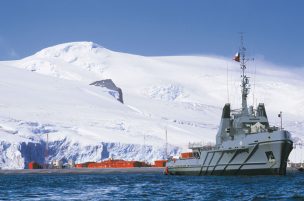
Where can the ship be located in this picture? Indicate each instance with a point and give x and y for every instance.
(245, 142)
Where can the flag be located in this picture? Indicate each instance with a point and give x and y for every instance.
(237, 57)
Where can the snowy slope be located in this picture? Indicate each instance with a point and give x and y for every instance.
(49, 92)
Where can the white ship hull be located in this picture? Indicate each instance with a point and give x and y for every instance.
(258, 158)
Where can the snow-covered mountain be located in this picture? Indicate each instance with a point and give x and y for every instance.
(50, 92)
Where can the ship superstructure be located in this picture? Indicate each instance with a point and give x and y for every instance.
(245, 143)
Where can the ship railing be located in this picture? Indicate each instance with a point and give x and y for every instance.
(208, 147)
(201, 145)
(195, 145)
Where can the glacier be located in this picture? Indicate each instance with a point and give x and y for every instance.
(49, 93)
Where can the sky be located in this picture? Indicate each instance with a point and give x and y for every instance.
(273, 29)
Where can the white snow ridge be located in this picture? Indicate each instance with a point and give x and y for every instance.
(50, 93)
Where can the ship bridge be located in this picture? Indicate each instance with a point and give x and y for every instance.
(254, 121)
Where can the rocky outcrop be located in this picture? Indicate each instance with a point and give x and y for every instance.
(115, 91)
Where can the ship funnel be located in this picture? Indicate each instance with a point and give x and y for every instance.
(224, 129)
(226, 111)
(261, 112)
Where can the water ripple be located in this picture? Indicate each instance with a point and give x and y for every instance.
(150, 187)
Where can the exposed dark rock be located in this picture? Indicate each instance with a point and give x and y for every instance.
(109, 84)
(32, 152)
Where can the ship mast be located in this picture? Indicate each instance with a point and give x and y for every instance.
(245, 80)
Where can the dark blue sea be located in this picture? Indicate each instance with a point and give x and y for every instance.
(150, 187)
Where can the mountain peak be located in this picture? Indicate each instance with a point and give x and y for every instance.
(75, 48)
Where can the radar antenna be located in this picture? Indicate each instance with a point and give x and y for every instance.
(245, 80)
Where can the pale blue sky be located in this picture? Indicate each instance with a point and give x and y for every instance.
(274, 29)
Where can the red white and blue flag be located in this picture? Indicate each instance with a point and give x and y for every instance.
(237, 57)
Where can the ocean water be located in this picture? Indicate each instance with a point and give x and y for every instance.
(150, 187)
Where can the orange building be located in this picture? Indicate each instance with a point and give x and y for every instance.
(34, 165)
(113, 164)
(160, 163)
